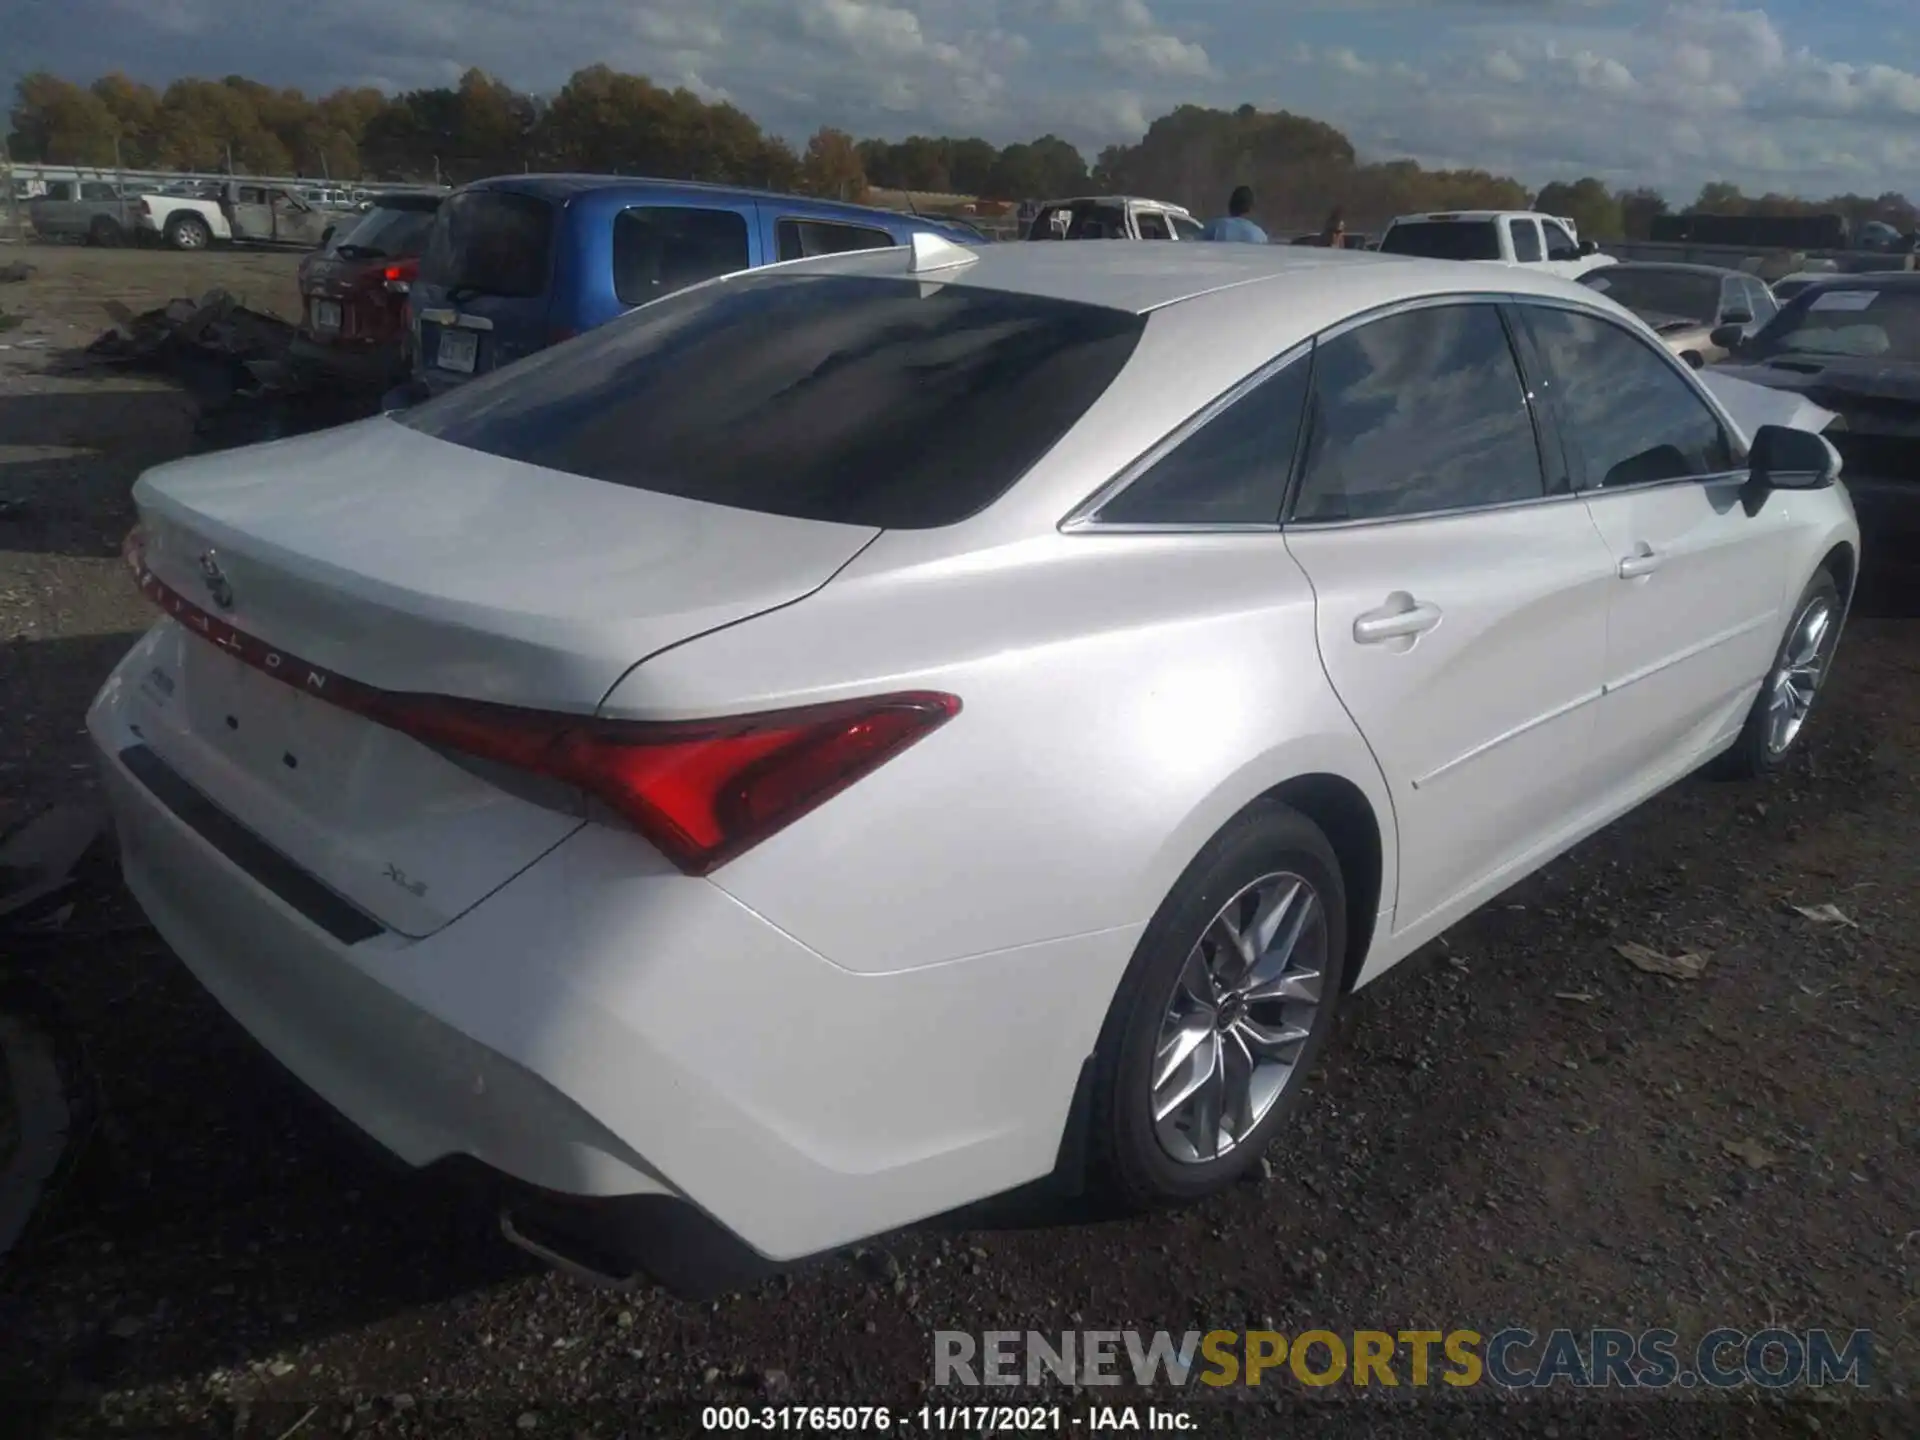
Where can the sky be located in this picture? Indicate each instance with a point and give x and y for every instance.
(1803, 96)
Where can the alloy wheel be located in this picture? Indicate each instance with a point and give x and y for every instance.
(1796, 679)
(1240, 1015)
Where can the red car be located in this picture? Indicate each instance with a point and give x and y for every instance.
(354, 323)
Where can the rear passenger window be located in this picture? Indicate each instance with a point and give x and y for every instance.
(1417, 413)
(97, 190)
(1231, 471)
(1153, 225)
(1526, 240)
(658, 250)
(1626, 415)
(800, 239)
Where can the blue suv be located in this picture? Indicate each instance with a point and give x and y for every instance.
(521, 262)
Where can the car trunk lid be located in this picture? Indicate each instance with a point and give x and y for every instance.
(304, 572)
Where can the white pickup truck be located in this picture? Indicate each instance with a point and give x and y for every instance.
(244, 213)
(1500, 237)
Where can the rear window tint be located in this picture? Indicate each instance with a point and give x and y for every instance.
(1444, 240)
(491, 242)
(663, 248)
(858, 399)
(388, 231)
(802, 239)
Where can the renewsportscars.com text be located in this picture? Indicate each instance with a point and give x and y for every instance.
(1511, 1359)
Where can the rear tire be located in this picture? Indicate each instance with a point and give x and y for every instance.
(104, 232)
(1189, 1007)
(188, 232)
(1787, 696)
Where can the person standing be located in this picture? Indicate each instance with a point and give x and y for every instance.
(1333, 234)
(1234, 225)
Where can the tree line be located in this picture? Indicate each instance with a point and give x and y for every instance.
(1301, 169)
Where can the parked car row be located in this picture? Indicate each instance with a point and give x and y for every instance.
(422, 294)
(895, 719)
(183, 217)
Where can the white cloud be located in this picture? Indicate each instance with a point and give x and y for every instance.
(1668, 92)
(1156, 54)
(1502, 66)
(1142, 47)
(1348, 63)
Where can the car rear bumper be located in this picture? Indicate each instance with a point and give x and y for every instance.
(603, 1031)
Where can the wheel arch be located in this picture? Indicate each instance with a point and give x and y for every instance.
(1335, 783)
(1842, 562)
(1346, 817)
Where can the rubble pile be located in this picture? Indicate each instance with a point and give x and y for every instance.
(214, 344)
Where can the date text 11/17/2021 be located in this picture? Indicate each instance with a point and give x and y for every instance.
(944, 1419)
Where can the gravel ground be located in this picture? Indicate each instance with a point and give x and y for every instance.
(1517, 1127)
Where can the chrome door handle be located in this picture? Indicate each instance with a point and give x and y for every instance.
(1400, 618)
(1643, 561)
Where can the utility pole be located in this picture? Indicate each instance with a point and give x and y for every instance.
(13, 194)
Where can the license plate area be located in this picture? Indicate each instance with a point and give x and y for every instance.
(289, 743)
(457, 351)
(326, 315)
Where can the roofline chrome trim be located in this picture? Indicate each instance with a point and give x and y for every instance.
(1083, 518)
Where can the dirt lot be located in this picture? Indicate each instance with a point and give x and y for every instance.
(1516, 1127)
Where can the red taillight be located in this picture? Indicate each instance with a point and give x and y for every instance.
(140, 207)
(399, 278)
(702, 791)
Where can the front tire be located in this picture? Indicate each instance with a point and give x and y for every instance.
(1228, 999)
(188, 232)
(1786, 699)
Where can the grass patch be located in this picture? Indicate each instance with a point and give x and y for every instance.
(9, 322)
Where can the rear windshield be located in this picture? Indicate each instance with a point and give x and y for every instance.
(1444, 240)
(1082, 220)
(387, 231)
(858, 399)
(491, 242)
(1838, 319)
(1671, 294)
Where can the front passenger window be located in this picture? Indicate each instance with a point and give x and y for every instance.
(1626, 415)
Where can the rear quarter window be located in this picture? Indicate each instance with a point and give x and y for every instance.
(492, 242)
(863, 400)
(801, 239)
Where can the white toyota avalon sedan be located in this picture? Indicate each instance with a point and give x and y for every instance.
(853, 738)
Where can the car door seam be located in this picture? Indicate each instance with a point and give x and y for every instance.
(1692, 652)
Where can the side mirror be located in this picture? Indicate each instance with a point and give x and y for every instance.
(1692, 357)
(326, 236)
(1589, 247)
(1741, 318)
(1728, 337)
(1784, 458)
